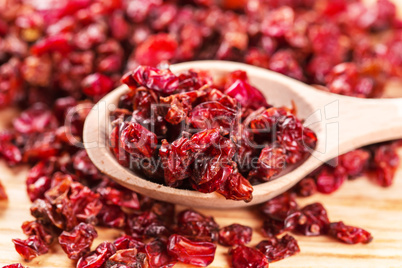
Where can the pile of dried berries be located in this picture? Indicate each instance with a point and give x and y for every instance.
(58, 57)
(185, 131)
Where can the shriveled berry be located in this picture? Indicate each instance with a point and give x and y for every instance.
(97, 85)
(98, 257)
(349, 234)
(34, 120)
(77, 242)
(243, 256)
(35, 228)
(157, 48)
(197, 226)
(160, 80)
(127, 241)
(31, 247)
(158, 256)
(235, 234)
(127, 258)
(239, 87)
(314, 220)
(191, 252)
(276, 249)
(138, 141)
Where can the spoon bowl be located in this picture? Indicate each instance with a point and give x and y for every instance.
(341, 124)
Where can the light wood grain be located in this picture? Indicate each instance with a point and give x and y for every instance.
(340, 123)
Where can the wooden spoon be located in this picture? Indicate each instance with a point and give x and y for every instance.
(341, 124)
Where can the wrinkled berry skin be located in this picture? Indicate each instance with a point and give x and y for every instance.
(98, 257)
(157, 254)
(195, 225)
(235, 234)
(243, 256)
(191, 252)
(77, 243)
(315, 220)
(349, 234)
(277, 249)
(138, 141)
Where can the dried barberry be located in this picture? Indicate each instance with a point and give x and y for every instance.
(98, 257)
(158, 256)
(127, 258)
(31, 247)
(349, 234)
(235, 234)
(197, 226)
(314, 220)
(191, 252)
(277, 249)
(243, 256)
(126, 242)
(78, 241)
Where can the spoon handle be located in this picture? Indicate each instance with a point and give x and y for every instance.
(367, 121)
(350, 123)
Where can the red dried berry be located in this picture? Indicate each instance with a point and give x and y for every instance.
(111, 216)
(126, 242)
(385, 163)
(10, 153)
(146, 225)
(235, 234)
(160, 80)
(37, 119)
(314, 220)
(121, 197)
(284, 62)
(83, 165)
(243, 256)
(158, 256)
(280, 207)
(349, 234)
(329, 180)
(306, 187)
(138, 141)
(197, 226)
(31, 247)
(35, 228)
(78, 241)
(354, 162)
(157, 48)
(98, 257)
(277, 249)
(56, 43)
(239, 88)
(97, 85)
(176, 158)
(127, 258)
(191, 252)
(270, 163)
